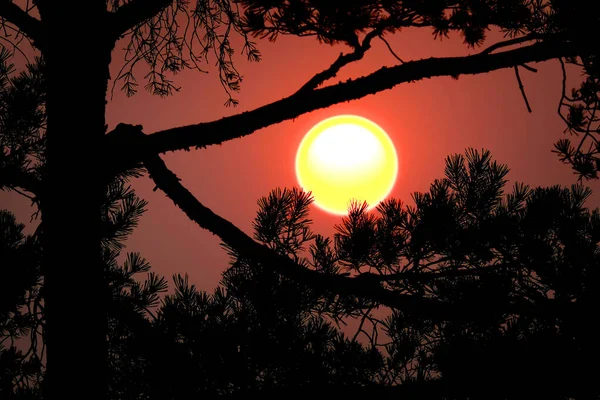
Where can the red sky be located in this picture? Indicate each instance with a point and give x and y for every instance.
(427, 121)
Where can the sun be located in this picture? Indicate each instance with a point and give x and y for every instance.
(345, 158)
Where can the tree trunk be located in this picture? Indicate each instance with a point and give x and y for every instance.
(76, 58)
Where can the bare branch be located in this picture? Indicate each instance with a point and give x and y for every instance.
(528, 68)
(423, 307)
(510, 42)
(362, 324)
(342, 61)
(522, 88)
(563, 96)
(18, 17)
(135, 12)
(390, 49)
(240, 125)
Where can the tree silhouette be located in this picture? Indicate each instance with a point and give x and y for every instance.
(70, 189)
(22, 313)
(525, 260)
(268, 337)
(522, 266)
(489, 292)
(19, 372)
(257, 332)
(22, 298)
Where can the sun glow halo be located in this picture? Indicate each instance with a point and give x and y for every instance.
(346, 158)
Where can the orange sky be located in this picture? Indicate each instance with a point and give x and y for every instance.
(427, 121)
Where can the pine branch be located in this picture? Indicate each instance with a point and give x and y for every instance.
(240, 125)
(422, 307)
(27, 24)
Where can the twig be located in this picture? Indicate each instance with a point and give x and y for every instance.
(509, 42)
(362, 323)
(32, 198)
(528, 68)
(563, 94)
(28, 25)
(522, 88)
(390, 49)
(342, 61)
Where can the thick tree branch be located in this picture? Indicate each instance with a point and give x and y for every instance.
(133, 13)
(243, 124)
(19, 179)
(422, 307)
(168, 182)
(27, 24)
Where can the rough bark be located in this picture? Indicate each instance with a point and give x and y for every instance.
(76, 58)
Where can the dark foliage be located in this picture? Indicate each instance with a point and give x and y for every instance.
(255, 332)
(464, 241)
(558, 21)
(526, 261)
(20, 307)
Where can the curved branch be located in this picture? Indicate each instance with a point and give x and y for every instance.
(135, 12)
(27, 24)
(168, 182)
(240, 125)
(423, 307)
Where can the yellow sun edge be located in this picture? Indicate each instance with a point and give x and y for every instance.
(372, 127)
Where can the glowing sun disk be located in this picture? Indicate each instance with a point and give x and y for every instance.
(346, 158)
